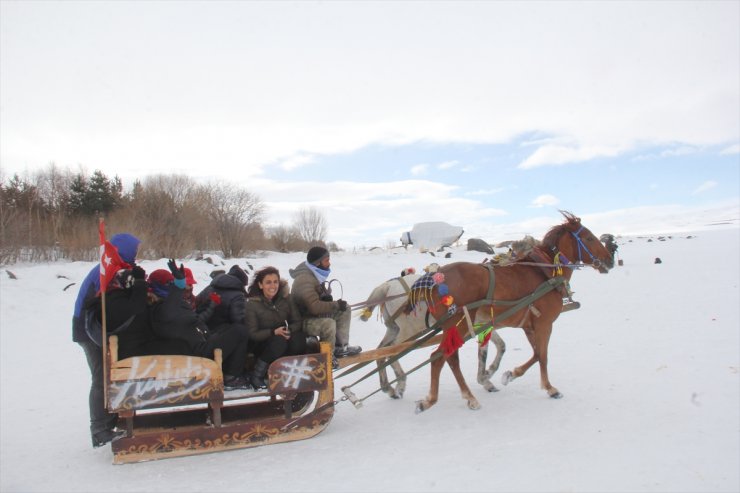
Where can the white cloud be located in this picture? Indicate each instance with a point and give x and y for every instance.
(679, 151)
(733, 149)
(448, 164)
(606, 86)
(487, 191)
(297, 161)
(545, 200)
(707, 185)
(419, 169)
(556, 155)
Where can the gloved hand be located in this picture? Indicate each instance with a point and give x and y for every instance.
(138, 272)
(215, 298)
(342, 305)
(178, 273)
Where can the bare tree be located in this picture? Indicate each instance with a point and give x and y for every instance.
(235, 213)
(285, 239)
(54, 184)
(161, 213)
(311, 225)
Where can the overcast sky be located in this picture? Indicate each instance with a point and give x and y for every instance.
(487, 115)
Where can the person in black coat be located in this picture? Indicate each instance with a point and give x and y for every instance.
(127, 313)
(231, 294)
(172, 318)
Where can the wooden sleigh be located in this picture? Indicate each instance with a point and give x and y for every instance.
(176, 406)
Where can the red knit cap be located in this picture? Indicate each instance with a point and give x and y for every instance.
(161, 276)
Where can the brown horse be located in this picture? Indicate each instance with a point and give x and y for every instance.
(564, 247)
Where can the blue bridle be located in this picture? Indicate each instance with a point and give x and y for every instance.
(595, 261)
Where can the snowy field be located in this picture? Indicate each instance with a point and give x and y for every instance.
(648, 367)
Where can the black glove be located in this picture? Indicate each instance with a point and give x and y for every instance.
(138, 272)
(342, 305)
(177, 273)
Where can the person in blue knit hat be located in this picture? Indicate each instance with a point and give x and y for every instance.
(102, 423)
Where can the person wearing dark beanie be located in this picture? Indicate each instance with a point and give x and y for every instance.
(323, 317)
(316, 255)
(240, 274)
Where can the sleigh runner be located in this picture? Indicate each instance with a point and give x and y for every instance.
(175, 406)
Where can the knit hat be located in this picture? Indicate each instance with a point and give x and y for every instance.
(316, 255)
(189, 279)
(161, 276)
(239, 273)
(159, 282)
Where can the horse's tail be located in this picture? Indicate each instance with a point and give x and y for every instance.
(372, 301)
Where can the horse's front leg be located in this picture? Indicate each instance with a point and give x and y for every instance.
(454, 362)
(389, 338)
(431, 398)
(517, 372)
(383, 376)
(484, 376)
(543, 340)
(400, 379)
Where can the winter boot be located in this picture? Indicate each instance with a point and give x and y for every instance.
(102, 437)
(233, 382)
(346, 350)
(312, 345)
(257, 377)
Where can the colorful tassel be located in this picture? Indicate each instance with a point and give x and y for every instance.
(451, 342)
(485, 336)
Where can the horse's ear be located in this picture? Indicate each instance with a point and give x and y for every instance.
(570, 217)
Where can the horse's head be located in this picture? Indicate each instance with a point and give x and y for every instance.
(578, 244)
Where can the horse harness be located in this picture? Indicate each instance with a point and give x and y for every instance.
(407, 290)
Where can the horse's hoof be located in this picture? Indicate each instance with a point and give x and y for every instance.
(393, 395)
(474, 405)
(489, 386)
(556, 395)
(507, 377)
(420, 407)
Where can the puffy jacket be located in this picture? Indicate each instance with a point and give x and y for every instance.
(306, 293)
(129, 306)
(263, 316)
(172, 318)
(233, 301)
(127, 245)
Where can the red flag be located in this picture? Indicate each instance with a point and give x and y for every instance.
(110, 261)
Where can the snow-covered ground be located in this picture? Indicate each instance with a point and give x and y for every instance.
(648, 367)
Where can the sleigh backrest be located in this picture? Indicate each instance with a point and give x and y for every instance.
(148, 382)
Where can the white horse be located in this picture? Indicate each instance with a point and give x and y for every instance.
(391, 296)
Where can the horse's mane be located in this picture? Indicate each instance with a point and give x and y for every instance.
(571, 223)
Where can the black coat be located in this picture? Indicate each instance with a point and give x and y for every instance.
(131, 303)
(126, 314)
(232, 308)
(172, 318)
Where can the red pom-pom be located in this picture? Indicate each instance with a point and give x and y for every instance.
(215, 298)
